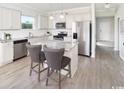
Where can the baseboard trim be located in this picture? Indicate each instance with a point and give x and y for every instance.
(121, 57)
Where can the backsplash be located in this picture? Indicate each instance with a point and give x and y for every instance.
(23, 33)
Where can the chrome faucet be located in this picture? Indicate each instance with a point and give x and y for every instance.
(30, 35)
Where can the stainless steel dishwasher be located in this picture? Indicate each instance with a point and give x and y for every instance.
(20, 49)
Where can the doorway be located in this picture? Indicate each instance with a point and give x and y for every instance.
(105, 31)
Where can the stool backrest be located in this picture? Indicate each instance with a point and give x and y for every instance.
(53, 57)
(34, 52)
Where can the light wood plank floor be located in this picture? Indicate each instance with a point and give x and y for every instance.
(107, 71)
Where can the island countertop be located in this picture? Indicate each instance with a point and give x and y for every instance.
(57, 44)
(22, 38)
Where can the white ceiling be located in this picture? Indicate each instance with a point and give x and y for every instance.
(102, 5)
(48, 7)
(102, 11)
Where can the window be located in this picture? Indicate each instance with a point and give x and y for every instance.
(27, 22)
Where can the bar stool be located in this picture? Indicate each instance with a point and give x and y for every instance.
(37, 56)
(56, 61)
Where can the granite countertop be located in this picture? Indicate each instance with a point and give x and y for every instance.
(57, 44)
(37, 36)
(11, 40)
(14, 39)
(5, 41)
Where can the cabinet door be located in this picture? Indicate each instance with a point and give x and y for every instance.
(82, 17)
(6, 16)
(16, 19)
(51, 24)
(44, 22)
(69, 20)
(6, 53)
(1, 18)
(121, 45)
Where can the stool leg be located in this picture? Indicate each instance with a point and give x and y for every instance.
(39, 73)
(59, 79)
(47, 76)
(42, 65)
(31, 68)
(69, 70)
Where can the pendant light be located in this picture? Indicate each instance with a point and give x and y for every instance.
(51, 17)
(62, 15)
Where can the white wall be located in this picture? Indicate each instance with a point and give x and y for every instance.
(116, 33)
(119, 15)
(105, 29)
(93, 47)
(106, 12)
(119, 33)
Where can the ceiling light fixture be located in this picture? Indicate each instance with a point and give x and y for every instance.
(61, 16)
(107, 5)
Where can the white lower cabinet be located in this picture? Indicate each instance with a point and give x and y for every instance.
(6, 53)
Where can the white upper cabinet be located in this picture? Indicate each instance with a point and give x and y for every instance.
(69, 21)
(9, 19)
(51, 24)
(16, 19)
(1, 18)
(82, 17)
(6, 16)
(42, 22)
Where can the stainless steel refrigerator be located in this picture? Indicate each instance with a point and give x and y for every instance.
(83, 30)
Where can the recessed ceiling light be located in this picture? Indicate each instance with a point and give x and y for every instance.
(107, 5)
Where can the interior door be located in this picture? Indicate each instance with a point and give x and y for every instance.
(105, 29)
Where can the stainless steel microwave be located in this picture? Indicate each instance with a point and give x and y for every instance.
(61, 25)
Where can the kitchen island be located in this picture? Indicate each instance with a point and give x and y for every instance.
(71, 51)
